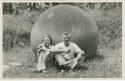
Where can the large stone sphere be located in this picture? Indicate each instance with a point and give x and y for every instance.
(66, 18)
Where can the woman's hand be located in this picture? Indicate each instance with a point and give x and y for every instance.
(41, 49)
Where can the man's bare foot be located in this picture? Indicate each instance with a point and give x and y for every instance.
(61, 72)
(72, 72)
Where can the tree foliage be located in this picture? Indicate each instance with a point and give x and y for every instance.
(16, 8)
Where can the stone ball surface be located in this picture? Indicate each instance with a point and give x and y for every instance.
(66, 18)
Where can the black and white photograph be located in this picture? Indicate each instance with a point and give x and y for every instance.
(62, 40)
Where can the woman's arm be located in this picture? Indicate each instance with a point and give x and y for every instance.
(39, 46)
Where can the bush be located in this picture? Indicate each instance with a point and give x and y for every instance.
(110, 28)
(16, 29)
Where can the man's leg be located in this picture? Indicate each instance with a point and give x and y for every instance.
(60, 59)
(72, 64)
(61, 62)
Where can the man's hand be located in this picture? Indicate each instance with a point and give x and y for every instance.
(68, 51)
(77, 58)
(80, 54)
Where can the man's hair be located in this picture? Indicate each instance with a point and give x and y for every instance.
(66, 34)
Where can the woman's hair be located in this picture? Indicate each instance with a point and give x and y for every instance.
(51, 41)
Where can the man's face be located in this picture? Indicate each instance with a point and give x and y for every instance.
(66, 39)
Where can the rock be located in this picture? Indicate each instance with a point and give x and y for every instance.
(66, 18)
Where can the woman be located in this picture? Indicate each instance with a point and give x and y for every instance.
(42, 55)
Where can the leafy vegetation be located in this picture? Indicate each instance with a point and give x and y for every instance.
(17, 27)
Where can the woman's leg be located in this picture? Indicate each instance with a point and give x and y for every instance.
(45, 60)
(42, 61)
(40, 64)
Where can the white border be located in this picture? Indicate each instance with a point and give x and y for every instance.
(63, 0)
(66, 79)
(1, 40)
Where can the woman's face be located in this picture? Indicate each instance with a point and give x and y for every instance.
(47, 40)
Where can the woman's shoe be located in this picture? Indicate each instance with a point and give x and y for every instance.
(35, 71)
(44, 71)
(40, 71)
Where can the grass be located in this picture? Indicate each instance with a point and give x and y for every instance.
(109, 67)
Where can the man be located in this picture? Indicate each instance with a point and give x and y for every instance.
(65, 52)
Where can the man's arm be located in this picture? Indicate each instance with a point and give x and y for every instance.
(56, 50)
(80, 54)
(78, 51)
